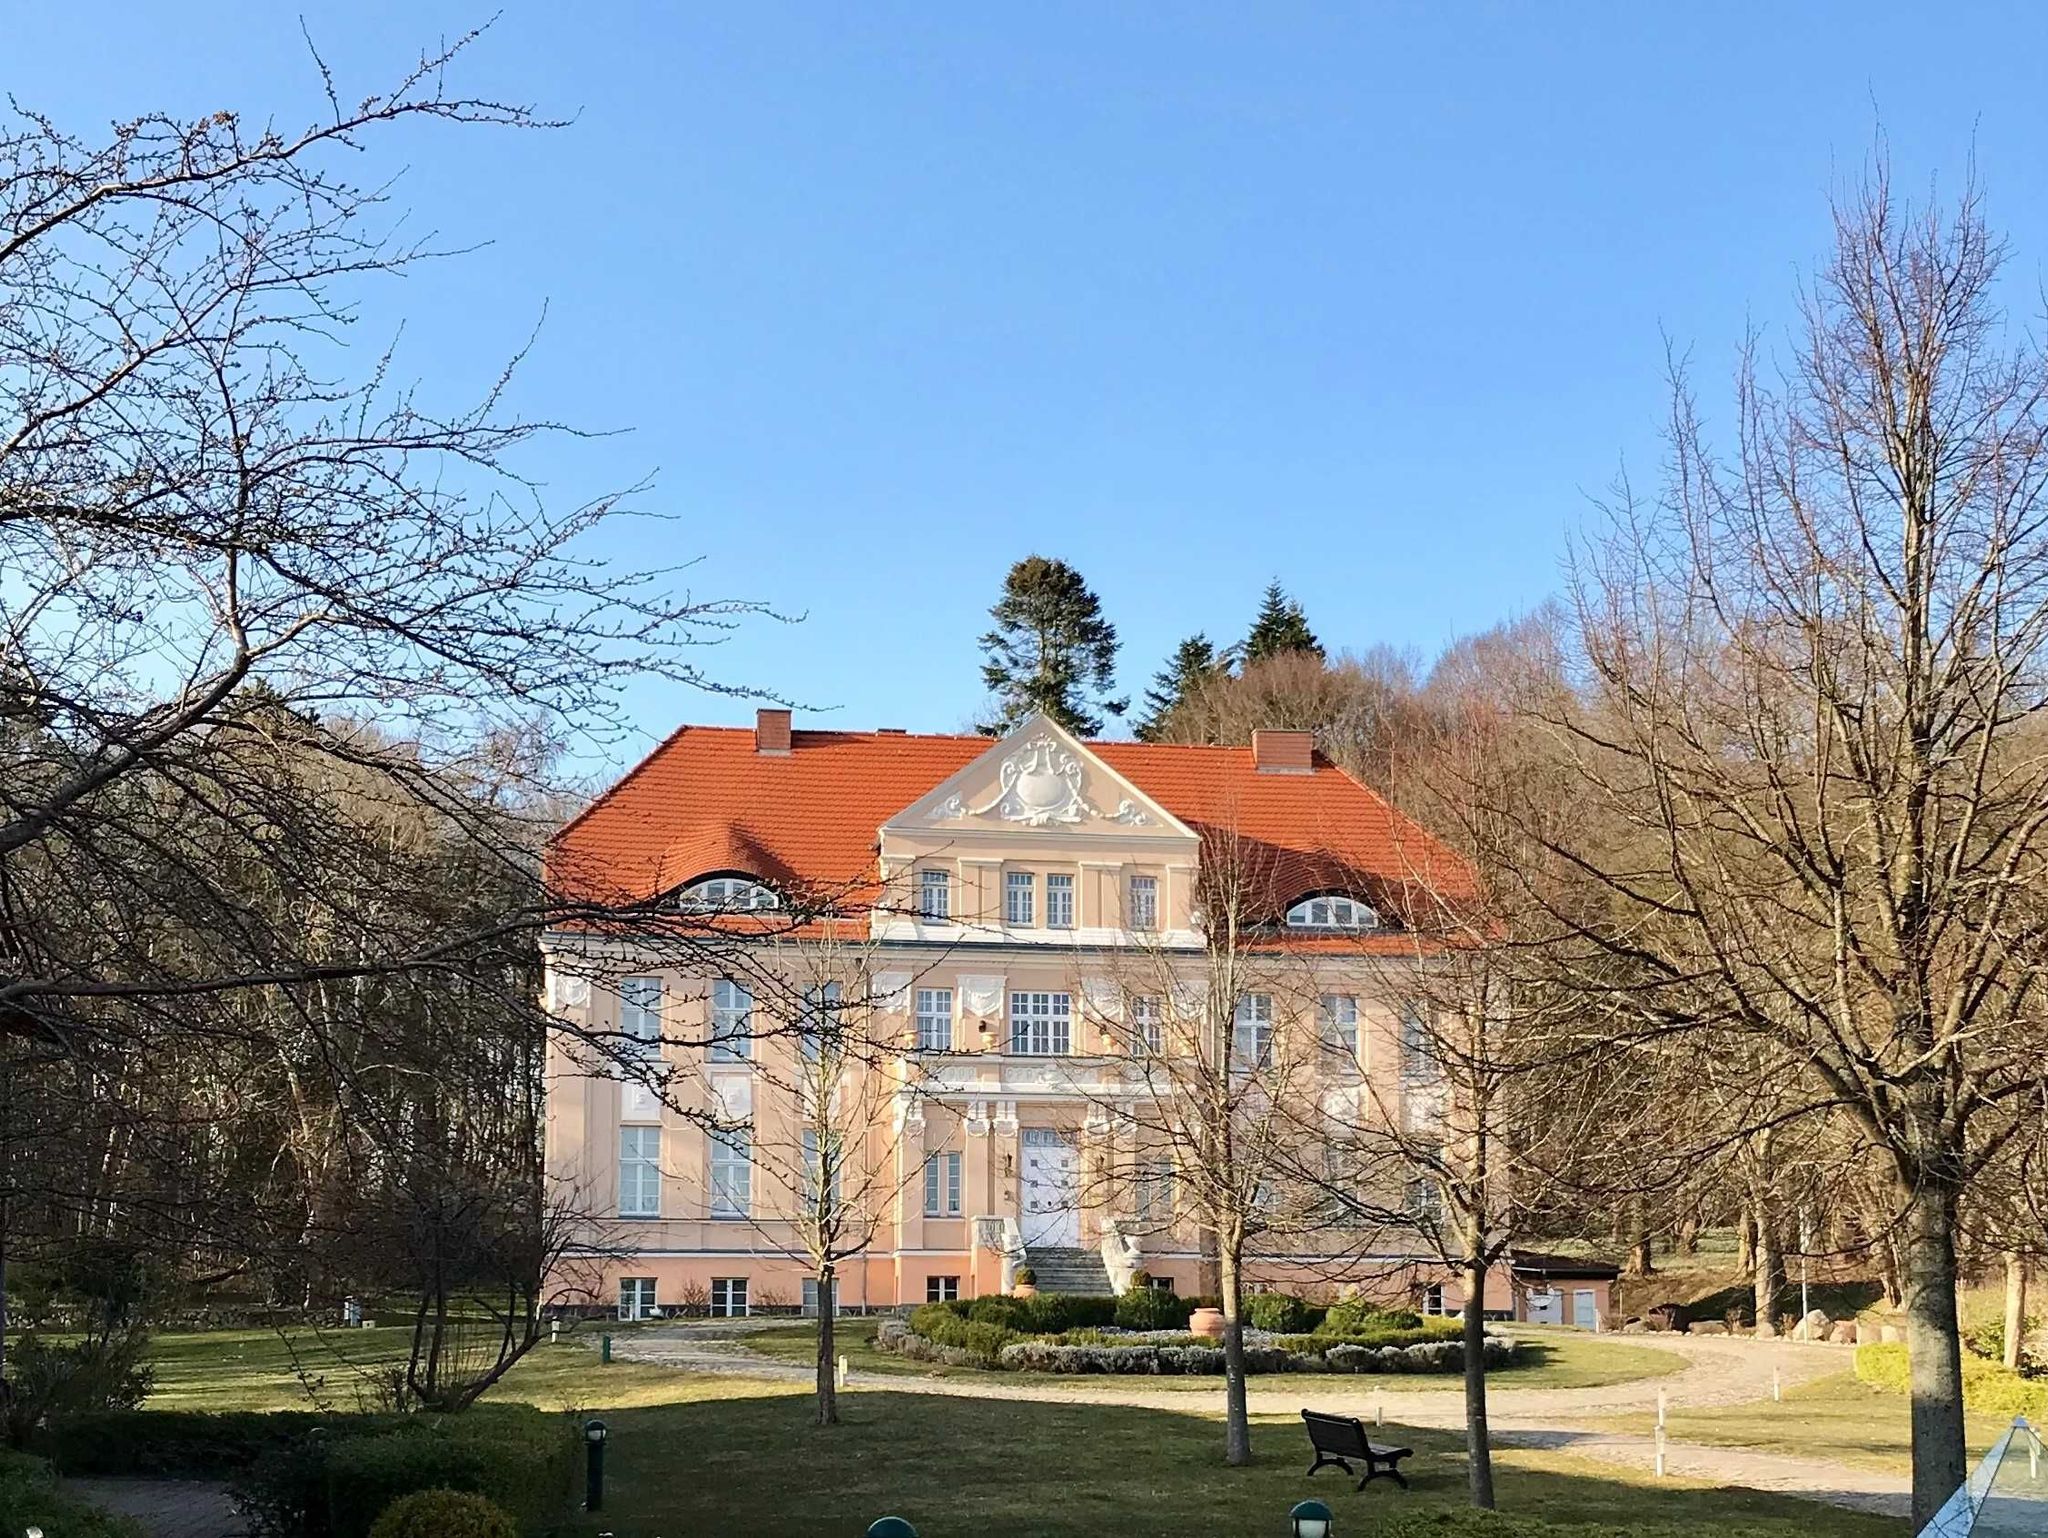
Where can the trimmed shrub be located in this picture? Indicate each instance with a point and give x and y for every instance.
(188, 1444)
(1147, 1308)
(1025, 1277)
(1356, 1316)
(1281, 1313)
(444, 1514)
(1987, 1386)
(30, 1497)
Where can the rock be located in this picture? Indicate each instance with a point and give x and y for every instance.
(1891, 1334)
(1710, 1327)
(1814, 1326)
(1635, 1327)
(1845, 1332)
(1666, 1316)
(1866, 1332)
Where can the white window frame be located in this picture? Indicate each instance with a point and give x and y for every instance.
(1252, 1032)
(639, 1172)
(942, 1187)
(934, 1016)
(1042, 1024)
(727, 1291)
(820, 1018)
(1142, 904)
(728, 894)
(1337, 1022)
(1059, 900)
(1148, 1023)
(934, 895)
(732, 1022)
(640, 1014)
(1419, 1064)
(1333, 911)
(637, 1298)
(941, 1289)
(1020, 898)
(729, 1161)
(1155, 1191)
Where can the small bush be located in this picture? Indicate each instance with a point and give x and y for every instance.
(1281, 1313)
(1026, 1277)
(55, 1378)
(1147, 1308)
(444, 1514)
(30, 1497)
(1987, 1386)
(1355, 1316)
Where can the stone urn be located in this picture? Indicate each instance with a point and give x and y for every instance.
(1206, 1322)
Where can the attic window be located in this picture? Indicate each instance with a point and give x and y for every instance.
(1332, 913)
(727, 894)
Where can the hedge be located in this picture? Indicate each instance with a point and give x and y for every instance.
(30, 1497)
(1282, 1313)
(1987, 1386)
(188, 1444)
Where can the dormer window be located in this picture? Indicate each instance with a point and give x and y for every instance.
(728, 894)
(1332, 913)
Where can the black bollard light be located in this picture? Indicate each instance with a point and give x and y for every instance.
(593, 1465)
(891, 1527)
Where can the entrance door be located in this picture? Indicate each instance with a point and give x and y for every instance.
(1584, 1314)
(1052, 1204)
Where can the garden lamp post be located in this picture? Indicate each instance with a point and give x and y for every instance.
(593, 1464)
(1310, 1519)
(891, 1527)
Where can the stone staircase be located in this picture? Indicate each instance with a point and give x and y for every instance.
(1061, 1269)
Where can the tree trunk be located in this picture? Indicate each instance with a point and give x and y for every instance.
(1478, 1440)
(1641, 1260)
(828, 1362)
(1745, 1244)
(2015, 1305)
(1764, 1263)
(1237, 1426)
(1689, 1234)
(1934, 1347)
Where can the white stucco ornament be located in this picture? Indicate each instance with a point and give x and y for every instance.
(1037, 784)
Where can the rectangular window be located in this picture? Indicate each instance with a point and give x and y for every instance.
(942, 1186)
(1020, 888)
(1059, 902)
(1147, 1033)
(732, 1173)
(1418, 1053)
(728, 1296)
(835, 1160)
(732, 1022)
(1155, 1191)
(819, 1022)
(941, 1289)
(636, 1297)
(639, 1172)
(935, 1019)
(1433, 1298)
(1143, 905)
(1160, 1283)
(1425, 1200)
(934, 894)
(1337, 1018)
(640, 1013)
(1042, 1024)
(1252, 1043)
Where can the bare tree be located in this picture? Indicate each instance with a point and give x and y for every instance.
(1815, 673)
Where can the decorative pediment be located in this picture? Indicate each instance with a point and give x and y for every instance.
(1040, 777)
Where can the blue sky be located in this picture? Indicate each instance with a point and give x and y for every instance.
(1369, 298)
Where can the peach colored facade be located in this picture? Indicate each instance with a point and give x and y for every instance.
(991, 1121)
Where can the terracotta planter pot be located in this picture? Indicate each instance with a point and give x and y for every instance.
(1023, 1290)
(1206, 1321)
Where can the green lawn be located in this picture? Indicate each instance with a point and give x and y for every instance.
(1555, 1359)
(1834, 1417)
(692, 1454)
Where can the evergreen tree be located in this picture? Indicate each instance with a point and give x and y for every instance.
(1193, 663)
(1051, 650)
(1280, 628)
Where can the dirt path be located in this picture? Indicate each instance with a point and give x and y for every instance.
(1715, 1371)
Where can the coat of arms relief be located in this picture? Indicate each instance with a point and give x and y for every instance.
(1037, 785)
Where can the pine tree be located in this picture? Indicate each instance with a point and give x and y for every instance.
(1280, 628)
(1051, 650)
(1192, 664)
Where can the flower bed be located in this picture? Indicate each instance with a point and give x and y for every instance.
(951, 1335)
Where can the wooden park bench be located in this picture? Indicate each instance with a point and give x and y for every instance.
(1340, 1440)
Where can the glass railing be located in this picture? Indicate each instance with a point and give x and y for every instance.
(2005, 1497)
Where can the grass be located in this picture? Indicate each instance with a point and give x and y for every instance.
(696, 1454)
(1561, 1359)
(1836, 1417)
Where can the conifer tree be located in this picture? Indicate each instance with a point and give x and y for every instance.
(1051, 650)
(1193, 662)
(1280, 628)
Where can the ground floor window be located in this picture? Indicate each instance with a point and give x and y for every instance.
(636, 1297)
(1433, 1298)
(810, 1305)
(941, 1289)
(728, 1296)
(1160, 1283)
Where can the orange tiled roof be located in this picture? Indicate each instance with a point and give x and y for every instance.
(705, 801)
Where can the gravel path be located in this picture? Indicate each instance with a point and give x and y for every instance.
(165, 1508)
(1716, 1371)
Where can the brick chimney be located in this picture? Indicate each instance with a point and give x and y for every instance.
(771, 732)
(1284, 752)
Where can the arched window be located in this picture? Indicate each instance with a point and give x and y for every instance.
(1332, 913)
(727, 894)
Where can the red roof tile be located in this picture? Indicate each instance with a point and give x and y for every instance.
(705, 801)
